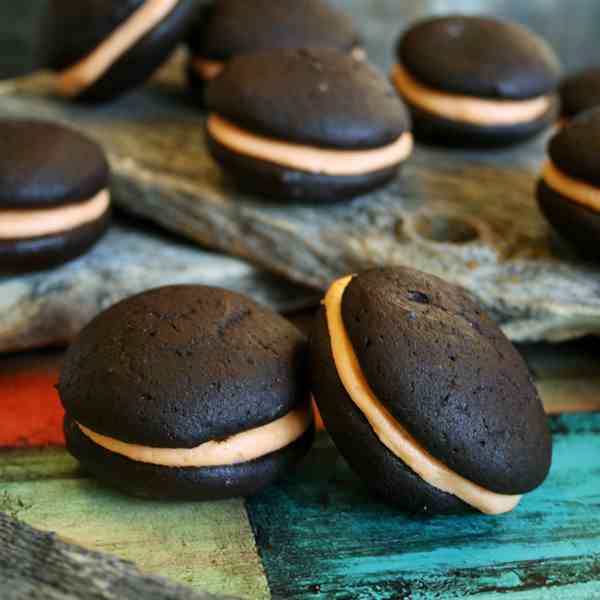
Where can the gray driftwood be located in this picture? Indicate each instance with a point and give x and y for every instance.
(467, 216)
(39, 566)
(51, 308)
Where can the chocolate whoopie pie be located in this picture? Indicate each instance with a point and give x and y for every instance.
(424, 396)
(474, 80)
(54, 197)
(568, 192)
(234, 27)
(580, 92)
(187, 392)
(313, 125)
(103, 48)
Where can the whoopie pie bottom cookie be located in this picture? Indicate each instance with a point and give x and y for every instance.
(250, 461)
(187, 392)
(424, 396)
(40, 252)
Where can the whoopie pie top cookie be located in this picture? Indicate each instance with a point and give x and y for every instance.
(580, 92)
(54, 196)
(569, 189)
(234, 27)
(425, 397)
(102, 48)
(314, 124)
(188, 392)
(480, 78)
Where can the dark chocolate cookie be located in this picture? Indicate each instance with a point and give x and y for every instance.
(233, 27)
(156, 27)
(509, 75)
(577, 224)
(54, 196)
(178, 368)
(569, 189)
(574, 149)
(580, 92)
(338, 104)
(444, 372)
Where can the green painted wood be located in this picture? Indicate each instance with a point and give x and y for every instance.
(208, 546)
(320, 534)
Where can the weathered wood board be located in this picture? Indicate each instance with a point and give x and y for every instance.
(321, 535)
(208, 546)
(50, 308)
(468, 216)
(40, 565)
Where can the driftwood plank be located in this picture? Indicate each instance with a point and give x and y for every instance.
(321, 533)
(468, 216)
(39, 565)
(207, 546)
(50, 308)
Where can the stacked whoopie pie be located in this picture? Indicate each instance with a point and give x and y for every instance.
(425, 397)
(568, 192)
(111, 47)
(187, 392)
(231, 28)
(54, 196)
(321, 125)
(475, 80)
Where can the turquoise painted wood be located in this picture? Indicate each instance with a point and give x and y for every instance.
(321, 535)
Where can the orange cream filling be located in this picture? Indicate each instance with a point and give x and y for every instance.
(207, 69)
(309, 158)
(77, 78)
(242, 447)
(579, 192)
(468, 109)
(391, 434)
(23, 224)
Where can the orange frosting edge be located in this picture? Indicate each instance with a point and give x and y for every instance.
(391, 433)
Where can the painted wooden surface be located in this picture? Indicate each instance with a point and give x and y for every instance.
(321, 535)
(208, 546)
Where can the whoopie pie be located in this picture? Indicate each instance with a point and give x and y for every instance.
(580, 92)
(315, 125)
(103, 48)
(187, 392)
(424, 396)
(54, 195)
(476, 80)
(568, 192)
(233, 27)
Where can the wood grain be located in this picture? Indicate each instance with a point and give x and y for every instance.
(549, 548)
(39, 565)
(208, 546)
(51, 308)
